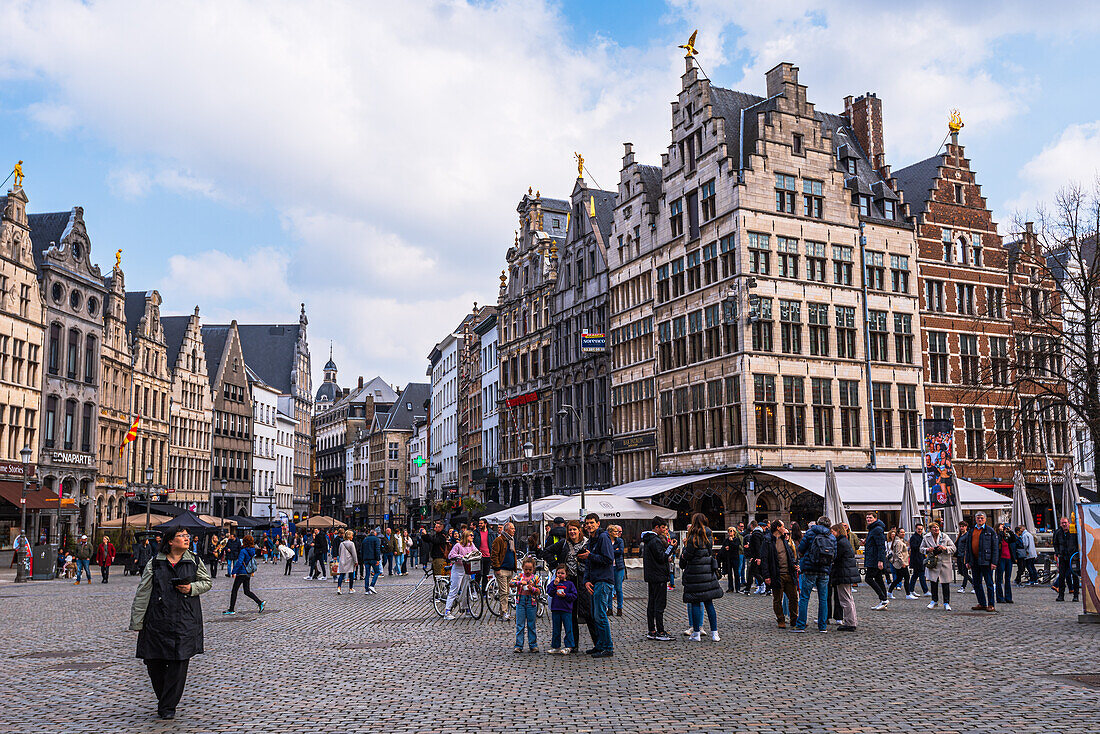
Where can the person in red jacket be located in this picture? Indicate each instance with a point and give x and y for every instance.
(105, 556)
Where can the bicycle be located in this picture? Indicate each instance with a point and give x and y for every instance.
(469, 596)
(492, 592)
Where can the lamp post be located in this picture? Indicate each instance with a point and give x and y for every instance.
(564, 412)
(221, 503)
(271, 502)
(528, 452)
(148, 493)
(24, 544)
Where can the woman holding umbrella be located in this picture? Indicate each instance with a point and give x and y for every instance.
(167, 615)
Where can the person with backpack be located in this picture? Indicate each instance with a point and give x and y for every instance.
(554, 550)
(916, 564)
(816, 551)
(242, 571)
(232, 550)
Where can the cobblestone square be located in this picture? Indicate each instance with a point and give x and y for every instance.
(315, 661)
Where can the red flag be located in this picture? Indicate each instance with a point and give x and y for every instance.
(130, 435)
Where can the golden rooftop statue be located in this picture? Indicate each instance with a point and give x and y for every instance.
(18, 173)
(592, 207)
(956, 122)
(580, 164)
(690, 45)
(118, 259)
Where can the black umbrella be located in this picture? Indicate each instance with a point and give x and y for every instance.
(188, 521)
(245, 523)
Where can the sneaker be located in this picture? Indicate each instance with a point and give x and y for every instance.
(518, 649)
(554, 651)
(262, 605)
(931, 605)
(911, 596)
(714, 636)
(603, 654)
(663, 637)
(505, 617)
(533, 649)
(338, 592)
(565, 651)
(450, 617)
(689, 632)
(946, 607)
(890, 595)
(880, 606)
(696, 637)
(927, 593)
(798, 629)
(651, 635)
(228, 611)
(961, 589)
(823, 630)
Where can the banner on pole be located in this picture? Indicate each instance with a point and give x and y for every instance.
(1088, 536)
(939, 448)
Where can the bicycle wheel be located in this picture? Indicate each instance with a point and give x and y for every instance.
(475, 602)
(541, 605)
(440, 590)
(492, 597)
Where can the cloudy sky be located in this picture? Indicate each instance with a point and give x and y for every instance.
(366, 157)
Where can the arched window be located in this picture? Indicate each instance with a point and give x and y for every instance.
(53, 363)
(90, 359)
(961, 251)
(72, 359)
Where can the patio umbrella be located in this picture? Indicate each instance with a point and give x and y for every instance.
(135, 521)
(219, 521)
(321, 521)
(188, 521)
(1070, 496)
(243, 521)
(1021, 508)
(834, 508)
(910, 510)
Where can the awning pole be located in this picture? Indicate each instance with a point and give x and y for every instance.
(923, 476)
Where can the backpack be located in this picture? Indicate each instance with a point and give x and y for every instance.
(250, 567)
(823, 550)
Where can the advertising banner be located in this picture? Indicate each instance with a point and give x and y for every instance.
(1088, 535)
(939, 440)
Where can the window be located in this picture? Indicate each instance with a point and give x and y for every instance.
(1002, 422)
(976, 250)
(994, 302)
(958, 193)
(86, 429)
(708, 201)
(392, 451)
(864, 202)
(796, 144)
(695, 337)
(812, 201)
(713, 319)
(933, 295)
(968, 350)
(850, 166)
(677, 277)
(53, 365)
(727, 248)
(730, 325)
(975, 436)
(903, 338)
(790, 324)
(794, 409)
(679, 341)
(961, 251)
(907, 416)
(946, 237)
(662, 284)
(889, 209)
(884, 422)
(998, 359)
(765, 407)
(937, 356)
(73, 356)
(788, 256)
(50, 427)
(899, 273)
(784, 193)
(710, 263)
(815, 261)
(846, 332)
(70, 424)
(664, 345)
(819, 329)
(676, 217)
(90, 360)
(694, 271)
(760, 316)
(759, 246)
(874, 270)
(878, 337)
(849, 412)
(821, 394)
(842, 265)
(715, 411)
(733, 409)
(965, 294)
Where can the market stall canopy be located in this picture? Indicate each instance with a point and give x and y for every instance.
(646, 488)
(136, 521)
(881, 490)
(519, 512)
(219, 521)
(321, 521)
(242, 521)
(608, 506)
(186, 520)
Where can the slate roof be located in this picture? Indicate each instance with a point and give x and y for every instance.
(917, 182)
(651, 184)
(47, 228)
(727, 104)
(134, 309)
(401, 416)
(175, 329)
(213, 343)
(559, 205)
(605, 209)
(270, 350)
(329, 391)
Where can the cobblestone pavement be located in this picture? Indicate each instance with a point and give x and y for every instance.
(315, 661)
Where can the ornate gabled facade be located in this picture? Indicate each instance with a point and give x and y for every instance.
(580, 376)
(74, 293)
(526, 336)
(191, 412)
(231, 443)
(116, 379)
(151, 393)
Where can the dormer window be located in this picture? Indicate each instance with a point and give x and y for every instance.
(864, 205)
(850, 164)
(889, 209)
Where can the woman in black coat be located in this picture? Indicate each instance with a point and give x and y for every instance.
(844, 575)
(167, 615)
(700, 577)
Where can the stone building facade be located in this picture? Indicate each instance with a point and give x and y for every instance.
(526, 339)
(388, 465)
(580, 379)
(486, 476)
(231, 442)
(116, 380)
(74, 293)
(152, 389)
(190, 412)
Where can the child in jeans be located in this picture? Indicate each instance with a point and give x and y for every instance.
(527, 596)
(562, 595)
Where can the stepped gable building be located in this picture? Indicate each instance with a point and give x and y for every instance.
(231, 442)
(976, 332)
(581, 379)
(784, 303)
(152, 388)
(485, 475)
(116, 407)
(526, 335)
(631, 270)
(190, 412)
(74, 293)
(388, 465)
(22, 333)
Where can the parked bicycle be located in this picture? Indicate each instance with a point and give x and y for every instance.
(492, 591)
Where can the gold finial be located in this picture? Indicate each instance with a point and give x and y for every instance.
(503, 278)
(690, 45)
(580, 164)
(956, 122)
(528, 190)
(538, 194)
(554, 251)
(118, 259)
(18, 173)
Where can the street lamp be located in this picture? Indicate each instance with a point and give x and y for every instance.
(528, 452)
(148, 493)
(271, 502)
(221, 504)
(24, 544)
(564, 412)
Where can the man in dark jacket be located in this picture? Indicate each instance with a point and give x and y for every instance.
(437, 545)
(483, 540)
(982, 553)
(320, 555)
(656, 550)
(779, 569)
(732, 548)
(844, 575)
(1065, 545)
(816, 553)
(916, 564)
(599, 561)
(232, 550)
(874, 558)
(370, 553)
(961, 541)
(553, 550)
(754, 549)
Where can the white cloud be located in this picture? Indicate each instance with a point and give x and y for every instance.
(213, 276)
(57, 118)
(1074, 157)
(130, 182)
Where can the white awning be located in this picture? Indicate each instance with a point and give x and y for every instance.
(608, 506)
(881, 490)
(646, 488)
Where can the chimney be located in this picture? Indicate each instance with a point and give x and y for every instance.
(628, 154)
(360, 382)
(865, 116)
(783, 79)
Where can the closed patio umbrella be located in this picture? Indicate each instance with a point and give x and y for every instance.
(910, 510)
(1070, 496)
(1021, 508)
(834, 508)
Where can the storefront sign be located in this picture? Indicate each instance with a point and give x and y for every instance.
(66, 457)
(593, 343)
(16, 469)
(630, 443)
(524, 399)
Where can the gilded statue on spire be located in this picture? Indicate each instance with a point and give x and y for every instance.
(18, 173)
(690, 45)
(956, 122)
(580, 164)
(118, 259)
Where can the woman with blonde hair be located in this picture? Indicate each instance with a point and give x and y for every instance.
(899, 559)
(346, 563)
(938, 551)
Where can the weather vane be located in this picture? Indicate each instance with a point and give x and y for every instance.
(690, 45)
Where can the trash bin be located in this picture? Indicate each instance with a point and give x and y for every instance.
(44, 563)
